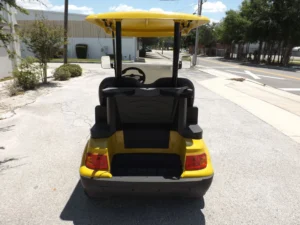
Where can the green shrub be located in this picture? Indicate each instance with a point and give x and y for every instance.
(28, 73)
(62, 73)
(74, 69)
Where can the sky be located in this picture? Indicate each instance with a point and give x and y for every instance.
(213, 9)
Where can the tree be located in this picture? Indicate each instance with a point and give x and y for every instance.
(262, 26)
(207, 35)
(166, 42)
(189, 40)
(287, 17)
(149, 42)
(235, 28)
(44, 40)
(5, 37)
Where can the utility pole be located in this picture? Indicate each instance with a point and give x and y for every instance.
(66, 31)
(200, 3)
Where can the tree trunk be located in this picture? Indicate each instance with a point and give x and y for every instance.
(247, 50)
(265, 49)
(259, 52)
(45, 73)
(232, 50)
(279, 51)
(287, 54)
(270, 52)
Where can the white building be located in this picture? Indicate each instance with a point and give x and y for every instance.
(7, 64)
(81, 32)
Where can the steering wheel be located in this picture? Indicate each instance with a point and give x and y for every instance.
(141, 77)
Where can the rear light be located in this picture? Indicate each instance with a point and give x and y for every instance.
(96, 161)
(195, 162)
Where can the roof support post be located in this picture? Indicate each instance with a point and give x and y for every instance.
(114, 51)
(176, 50)
(118, 49)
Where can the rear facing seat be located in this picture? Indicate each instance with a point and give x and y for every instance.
(160, 83)
(148, 116)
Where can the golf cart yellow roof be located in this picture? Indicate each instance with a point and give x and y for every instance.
(147, 24)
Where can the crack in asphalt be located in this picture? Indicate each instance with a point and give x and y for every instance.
(13, 110)
(65, 109)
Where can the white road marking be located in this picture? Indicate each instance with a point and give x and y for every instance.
(222, 67)
(252, 75)
(290, 89)
(235, 72)
(276, 78)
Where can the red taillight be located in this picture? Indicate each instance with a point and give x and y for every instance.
(195, 162)
(96, 161)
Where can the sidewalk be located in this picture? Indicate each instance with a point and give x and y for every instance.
(277, 108)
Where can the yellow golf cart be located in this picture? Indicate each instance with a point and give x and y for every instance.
(146, 139)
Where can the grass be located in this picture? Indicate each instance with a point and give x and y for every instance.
(6, 78)
(186, 58)
(74, 60)
(295, 62)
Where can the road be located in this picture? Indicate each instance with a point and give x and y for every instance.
(256, 167)
(284, 79)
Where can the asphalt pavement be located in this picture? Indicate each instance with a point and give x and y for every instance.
(256, 167)
(286, 79)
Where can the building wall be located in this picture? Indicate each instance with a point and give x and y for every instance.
(7, 64)
(80, 32)
(97, 47)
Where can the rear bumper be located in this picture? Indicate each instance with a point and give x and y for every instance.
(119, 186)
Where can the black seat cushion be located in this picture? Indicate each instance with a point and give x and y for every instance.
(114, 82)
(181, 82)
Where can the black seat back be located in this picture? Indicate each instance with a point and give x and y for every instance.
(146, 109)
(114, 82)
(146, 115)
(181, 82)
(164, 82)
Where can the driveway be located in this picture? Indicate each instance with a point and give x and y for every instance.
(256, 167)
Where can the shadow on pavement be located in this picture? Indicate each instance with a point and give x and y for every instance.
(153, 56)
(7, 128)
(274, 67)
(50, 85)
(146, 211)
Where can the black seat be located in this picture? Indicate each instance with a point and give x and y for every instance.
(165, 82)
(181, 82)
(146, 113)
(114, 82)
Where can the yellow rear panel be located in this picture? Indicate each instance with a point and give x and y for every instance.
(177, 145)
